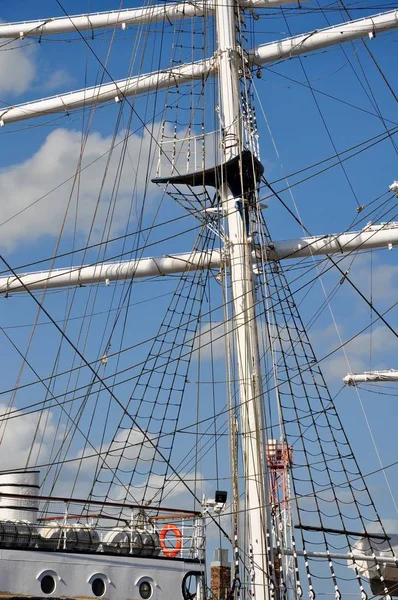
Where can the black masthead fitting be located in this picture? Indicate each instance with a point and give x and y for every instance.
(241, 174)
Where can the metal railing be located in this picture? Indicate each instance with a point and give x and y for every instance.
(77, 525)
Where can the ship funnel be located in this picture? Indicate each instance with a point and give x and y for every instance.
(25, 483)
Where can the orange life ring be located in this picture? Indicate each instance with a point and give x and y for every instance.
(170, 552)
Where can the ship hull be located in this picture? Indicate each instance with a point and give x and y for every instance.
(23, 573)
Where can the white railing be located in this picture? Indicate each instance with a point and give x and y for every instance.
(57, 524)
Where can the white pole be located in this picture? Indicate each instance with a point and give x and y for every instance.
(106, 272)
(122, 18)
(318, 39)
(167, 78)
(371, 376)
(107, 92)
(381, 558)
(241, 275)
(372, 236)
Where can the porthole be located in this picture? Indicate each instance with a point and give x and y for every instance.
(145, 590)
(47, 584)
(190, 584)
(98, 587)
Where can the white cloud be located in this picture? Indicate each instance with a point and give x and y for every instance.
(376, 279)
(390, 525)
(23, 435)
(122, 452)
(356, 355)
(384, 282)
(55, 80)
(174, 490)
(210, 341)
(18, 69)
(53, 163)
(20, 66)
(116, 457)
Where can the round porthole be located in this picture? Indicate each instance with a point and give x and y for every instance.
(47, 584)
(145, 590)
(98, 587)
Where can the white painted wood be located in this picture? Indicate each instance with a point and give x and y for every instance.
(108, 92)
(373, 236)
(107, 272)
(318, 39)
(73, 574)
(388, 560)
(371, 377)
(122, 18)
(243, 308)
(169, 77)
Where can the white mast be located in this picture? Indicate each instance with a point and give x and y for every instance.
(241, 277)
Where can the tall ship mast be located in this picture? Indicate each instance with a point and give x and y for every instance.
(164, 399)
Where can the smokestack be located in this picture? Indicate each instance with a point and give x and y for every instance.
(220, 575)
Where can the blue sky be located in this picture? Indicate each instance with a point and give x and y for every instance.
(39, 156)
